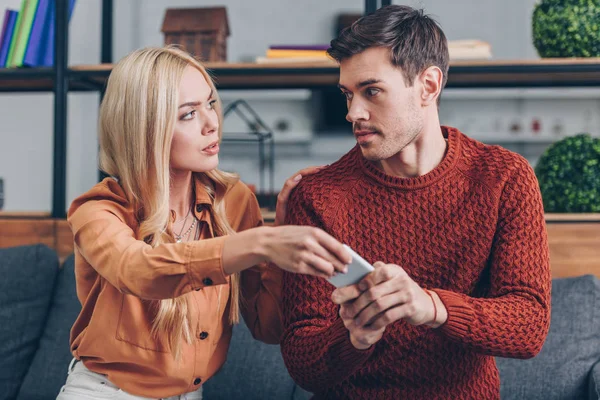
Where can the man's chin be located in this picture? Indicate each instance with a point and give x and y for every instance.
(370, 153)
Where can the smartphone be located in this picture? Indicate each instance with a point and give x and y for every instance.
(357, 270)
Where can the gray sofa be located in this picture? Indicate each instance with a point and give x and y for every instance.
(38, 305)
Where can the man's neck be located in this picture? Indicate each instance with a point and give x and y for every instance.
(418, 158)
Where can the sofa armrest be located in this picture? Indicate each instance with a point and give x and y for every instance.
(594, 393)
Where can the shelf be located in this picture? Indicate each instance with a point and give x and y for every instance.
(42, 80)
(557, 72)
(576, 93)
(574, 217)
(478, 74)
(24, 214)
(285, 75)
(474, 74)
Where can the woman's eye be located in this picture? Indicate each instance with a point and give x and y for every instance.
(211, 104)
(189, 115)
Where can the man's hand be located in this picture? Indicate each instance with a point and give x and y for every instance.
(383, 297)
(362, 337)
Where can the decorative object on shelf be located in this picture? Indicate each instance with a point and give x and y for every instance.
(567, 28)
(201, 32)
(569, 175)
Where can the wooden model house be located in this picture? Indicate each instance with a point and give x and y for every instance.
(202, 32)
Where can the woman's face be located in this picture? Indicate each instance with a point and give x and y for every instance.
(195, 144)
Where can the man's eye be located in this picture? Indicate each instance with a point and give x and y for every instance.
(372, 92)
(347, 95)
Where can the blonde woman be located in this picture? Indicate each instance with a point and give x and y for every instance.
(170, 250)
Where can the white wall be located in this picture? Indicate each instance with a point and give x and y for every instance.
(26, 124)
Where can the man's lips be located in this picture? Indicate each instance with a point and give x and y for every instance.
(363, 137)
(364, 133)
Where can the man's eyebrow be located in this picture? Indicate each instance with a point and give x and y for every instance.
(361, 84)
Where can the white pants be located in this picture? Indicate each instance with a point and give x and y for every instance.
(85, 384)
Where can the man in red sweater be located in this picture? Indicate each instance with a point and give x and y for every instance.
(455, 230)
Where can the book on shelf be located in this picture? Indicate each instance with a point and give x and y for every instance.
(275, 53)
(11, 48)
(28, 35)
(469, 50)
(47, 59)
(37, 39)
(8, 28)
(294, 60)
(294, 54)
(23, 32)
(322, 47)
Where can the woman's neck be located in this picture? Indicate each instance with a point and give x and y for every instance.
(181, 191)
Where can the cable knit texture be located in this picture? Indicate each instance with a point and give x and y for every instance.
(472, 230)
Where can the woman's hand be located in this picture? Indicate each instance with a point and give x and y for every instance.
(305, 250)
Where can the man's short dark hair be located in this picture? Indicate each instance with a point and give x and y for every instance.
(415, 40)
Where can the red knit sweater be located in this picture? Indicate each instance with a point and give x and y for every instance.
(472, 230)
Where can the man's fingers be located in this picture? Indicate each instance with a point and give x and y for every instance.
(382, 273)
(390, 316)
(376, 293)
(345, 294)
(368, 315)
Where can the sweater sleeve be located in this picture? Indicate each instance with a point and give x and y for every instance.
(315, 345)
(513, 319)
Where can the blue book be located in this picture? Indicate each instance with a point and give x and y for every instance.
(48, 57)
(10, 19)
(36, 45)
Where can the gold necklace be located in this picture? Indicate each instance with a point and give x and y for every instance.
(180, 237)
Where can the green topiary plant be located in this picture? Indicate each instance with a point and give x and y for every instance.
(567, 28)
(569, 175)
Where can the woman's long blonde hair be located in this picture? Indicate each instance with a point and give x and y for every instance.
(137, 119)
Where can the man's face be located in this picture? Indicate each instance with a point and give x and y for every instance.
(386, 115)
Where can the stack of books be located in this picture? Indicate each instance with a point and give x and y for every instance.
(469, 50)
(295, 53)
(27, 38)
(459, 50)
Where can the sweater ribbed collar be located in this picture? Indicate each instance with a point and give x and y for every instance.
(448, 163)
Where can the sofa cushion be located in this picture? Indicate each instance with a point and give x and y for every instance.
(28, 274)
(562, 368)
(253, 370)
(48, 371)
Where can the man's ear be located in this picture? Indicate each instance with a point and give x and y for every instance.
(431, 85)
